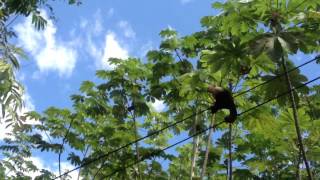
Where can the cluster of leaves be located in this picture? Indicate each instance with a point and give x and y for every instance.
(11, 90)
(239, 48)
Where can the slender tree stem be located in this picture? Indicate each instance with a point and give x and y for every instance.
(227, 168)
(137, 144)
(295, 116)
(230, 151)
(46, 133)
(204, 165)
(84, 156)
(298, 176)
(12, 20)
(195, 146)
(61, 147)
(195, 156)
(178, 55)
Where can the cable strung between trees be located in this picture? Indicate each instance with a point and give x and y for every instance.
(164, 149)
(278, 76)
(131, 143)
(174, 124)
(214, 126)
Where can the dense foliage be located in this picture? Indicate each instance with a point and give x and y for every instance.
(241, 47)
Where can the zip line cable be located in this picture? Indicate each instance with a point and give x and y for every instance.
(280, 95)
(129, 144)
(166, 148)
(173, 124)
(214, 126)
(278, 76)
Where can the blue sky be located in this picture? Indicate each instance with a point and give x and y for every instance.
(82, 38)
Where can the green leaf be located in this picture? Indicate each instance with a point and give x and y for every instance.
(217, 5)
(168, 33)
(87, 86)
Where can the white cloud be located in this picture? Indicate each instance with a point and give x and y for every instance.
(170, 27)
(93, 27)
(145, 49)
(245, 1)
(127, 29)
(39, 164)
(36, 75)
(66, 166)
(112, 49)
(158, 105)
(49, 53)
(28, 102)
(110, 12)
(93, 50)
(97, 28)
(83, 23)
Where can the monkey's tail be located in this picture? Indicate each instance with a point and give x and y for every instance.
(229, 119)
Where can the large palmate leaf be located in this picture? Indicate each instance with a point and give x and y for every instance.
(277, 86)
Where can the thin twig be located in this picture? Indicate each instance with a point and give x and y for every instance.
(62, 144)
(296, 7)
(12, 20)
(84, 156)
(230, 151)
(177, 53)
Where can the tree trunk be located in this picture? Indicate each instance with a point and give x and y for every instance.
(204, 165)
(61, 147)
(137, 145)
(227, 168)
(195, 147)
(295, 116)
(230, 152)
(298, 176)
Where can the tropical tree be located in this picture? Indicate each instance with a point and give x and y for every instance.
(247, 49)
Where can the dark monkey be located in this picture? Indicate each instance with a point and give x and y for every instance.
(224, 100)
(131, 108)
